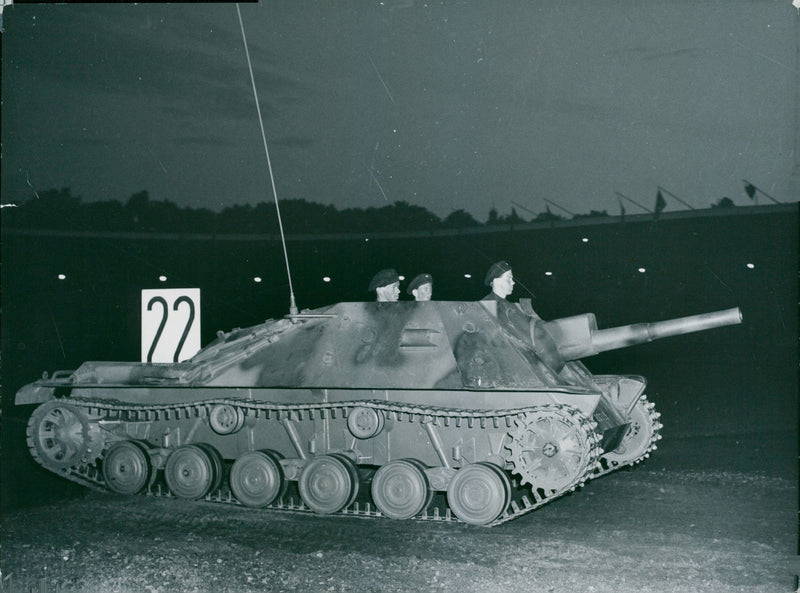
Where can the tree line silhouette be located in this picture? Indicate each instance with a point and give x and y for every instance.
(59, 209)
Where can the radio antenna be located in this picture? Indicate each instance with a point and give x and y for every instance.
(292, 305)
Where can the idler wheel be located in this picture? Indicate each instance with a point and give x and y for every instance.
(401, 490)
(127, 468)
(257, 478)
(479, 493)
(641, 435)
(189, 472)
(58, 435)
(329, 483)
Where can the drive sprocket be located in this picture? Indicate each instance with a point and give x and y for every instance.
(553, 448)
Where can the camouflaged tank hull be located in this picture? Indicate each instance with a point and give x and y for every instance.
(435, 410)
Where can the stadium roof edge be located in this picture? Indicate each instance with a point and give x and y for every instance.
(585, 221)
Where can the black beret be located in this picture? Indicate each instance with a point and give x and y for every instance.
(419, 281)
(383, 278)
(497, 270)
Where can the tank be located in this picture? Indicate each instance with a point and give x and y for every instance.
(439, 410)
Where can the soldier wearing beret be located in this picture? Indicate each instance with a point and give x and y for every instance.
(500, 279)
(421, 287)
(512, 316)
(386, 285)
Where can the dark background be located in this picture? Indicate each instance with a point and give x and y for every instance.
(740, 379)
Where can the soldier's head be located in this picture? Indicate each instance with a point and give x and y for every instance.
(386, 285)
(500, 278)
(421, 287)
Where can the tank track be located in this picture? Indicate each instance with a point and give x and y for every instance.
(524, 499)
(607, 466)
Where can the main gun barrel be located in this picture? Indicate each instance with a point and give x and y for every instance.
(640, 333)
(573, 338)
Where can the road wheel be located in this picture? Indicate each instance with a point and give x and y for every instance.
(189, 472)
(400, 489)
(479, 493)
(217, 462)
(257, 479)
(328, 483)
(127, 468)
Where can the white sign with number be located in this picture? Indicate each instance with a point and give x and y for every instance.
(170, 324)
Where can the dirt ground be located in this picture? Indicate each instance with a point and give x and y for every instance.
(699, 515)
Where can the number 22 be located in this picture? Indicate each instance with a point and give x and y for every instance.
(164, 315)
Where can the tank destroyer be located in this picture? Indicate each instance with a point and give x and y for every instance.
(432, 410)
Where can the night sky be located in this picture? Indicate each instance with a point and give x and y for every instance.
(455, 105)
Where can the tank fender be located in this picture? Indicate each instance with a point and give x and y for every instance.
(623, 391)
(34, 393)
